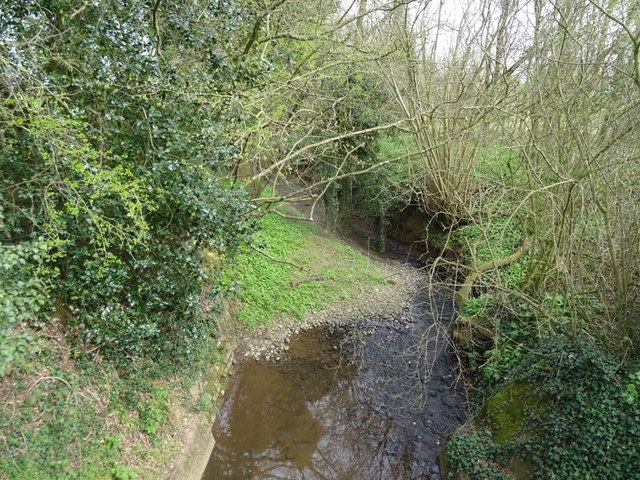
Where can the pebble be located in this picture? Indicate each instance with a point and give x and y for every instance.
(389, 309)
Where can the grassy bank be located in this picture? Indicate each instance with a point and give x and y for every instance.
(68, 414)
(65, 416)
(319, 269)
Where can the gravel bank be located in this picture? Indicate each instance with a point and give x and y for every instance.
(375, 305)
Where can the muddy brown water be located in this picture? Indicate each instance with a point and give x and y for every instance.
(373, 401)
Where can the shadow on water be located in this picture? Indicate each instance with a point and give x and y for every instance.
(375, 401)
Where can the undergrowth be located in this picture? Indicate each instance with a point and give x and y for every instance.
(68, 414)
(499, 238)
(550, 402)
(584, 424)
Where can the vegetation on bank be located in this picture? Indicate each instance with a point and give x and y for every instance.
(112, 183)
(70, 413)
(565, 409)
(128, 131)
(294, 267)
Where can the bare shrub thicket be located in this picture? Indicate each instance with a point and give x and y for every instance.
(518, 109)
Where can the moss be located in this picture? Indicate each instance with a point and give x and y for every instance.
(479, 450)
(506, 412)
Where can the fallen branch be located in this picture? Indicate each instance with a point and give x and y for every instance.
(462, 296)
(289, 217)
(312, 278)
(473, 329)
(304, 269)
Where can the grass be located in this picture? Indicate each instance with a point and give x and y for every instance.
(66, 416)
(392, 146)
(498, 163)
(269, 290)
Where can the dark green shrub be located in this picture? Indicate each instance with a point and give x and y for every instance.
(474, 454)
(586, 423)
(117, 169)
(589, 429)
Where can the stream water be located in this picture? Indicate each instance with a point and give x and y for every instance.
(375, 401)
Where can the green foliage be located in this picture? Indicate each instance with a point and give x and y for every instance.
(122, 472)
(266, 287)
(589, 429)
(93, 185)
(120, 188)
(513, 327)
(499, 238)
(571, 413)
(379, 195)
(359, 108)
(480, 306)
(22, 298)
(114, 158)
(499, 165)
(154, 411)
(352, 100)
(395, 145)
(516, 324)
(386, 190)
(50, 428)
(632, 393)
(500, 358)
(474, 454)
(513, 322)
(73, 421)
(113, 449)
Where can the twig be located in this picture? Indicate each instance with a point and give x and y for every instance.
(304, 269)
(290, 217)
(312, 278)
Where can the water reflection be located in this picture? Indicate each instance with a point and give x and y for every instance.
(314, 416)
(283, 420)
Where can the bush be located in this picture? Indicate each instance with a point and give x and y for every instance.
(589, 429)
(22, 298)
(122, 187)
(585, 424)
